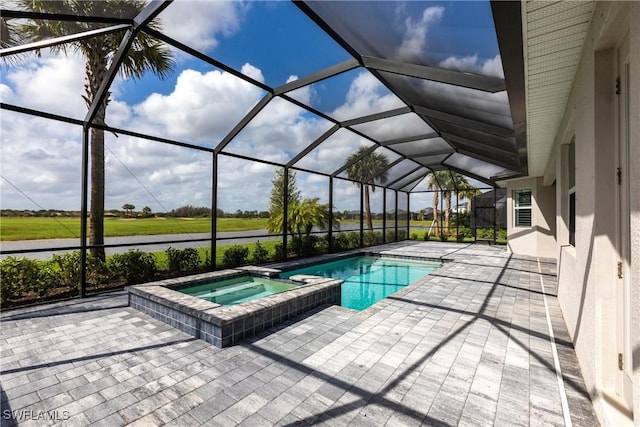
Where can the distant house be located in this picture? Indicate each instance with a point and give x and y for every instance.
(462, 207)
(425, 214)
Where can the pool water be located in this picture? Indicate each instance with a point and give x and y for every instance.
(237, 290)
(368, 280)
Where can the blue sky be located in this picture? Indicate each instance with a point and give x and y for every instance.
(273, 42)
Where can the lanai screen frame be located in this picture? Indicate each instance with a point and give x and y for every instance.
(506, 27)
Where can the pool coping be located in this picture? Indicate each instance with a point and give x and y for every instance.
(223, 326)
(294, 264)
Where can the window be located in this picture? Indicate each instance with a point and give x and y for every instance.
(572, 192)
(522, 207)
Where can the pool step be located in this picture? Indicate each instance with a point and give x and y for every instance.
(307, 278)
(238, 287)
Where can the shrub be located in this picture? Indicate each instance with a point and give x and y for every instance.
(173, 259)
(413, 236)
(502, 234)
(353, 239)
(402, 234)
(235, 256)
(340, 242)
(279, 251)
(48, 278)
(484, 233)
(208, 263)
(70, 269)
(97, 271)
(462, 233)
(303, 245)
(391, 236)
(260, 254)
(18, 274)
(322, 245)
(133, 266)
(372, 238)
(183, 259)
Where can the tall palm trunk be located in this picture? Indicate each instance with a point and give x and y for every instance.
(367, 208)
(96, 69)
(447, 209)
(96, 219)
(435, 212)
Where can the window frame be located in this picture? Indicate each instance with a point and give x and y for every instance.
(517, 207)
(571, 192)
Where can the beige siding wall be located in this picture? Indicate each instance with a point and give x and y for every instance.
(539, 239)
(587, 273)
(634, 181)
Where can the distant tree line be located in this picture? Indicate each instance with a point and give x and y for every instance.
(38, 213)
(189, 211)
(128, 210)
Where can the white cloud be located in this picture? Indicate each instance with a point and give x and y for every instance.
(471, 64)
(415, 35)
(160, 176)
(199, 24)
(366, 95)
(243, 184)
(42, 158)
(202, 106)
(278, 132)
(397, 127)
(304, 94)
(493, 67)
(52, 83)
(331, 154)
(486, 105)
(6, 94)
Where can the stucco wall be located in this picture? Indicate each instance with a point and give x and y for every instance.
(634, 181)
(539, 239)
(587, 274)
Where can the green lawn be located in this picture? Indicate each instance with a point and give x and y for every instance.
(29, 228)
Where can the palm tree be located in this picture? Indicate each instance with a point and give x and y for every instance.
(306, 214)
(366, 171)
(8, 35)
(433, 185)
(128, 209)
(468, 191)
(448, 182)
(145, 54)
(441, 181)
(302, 214)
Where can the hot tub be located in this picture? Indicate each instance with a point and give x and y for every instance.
(225, 307)
(237, 290)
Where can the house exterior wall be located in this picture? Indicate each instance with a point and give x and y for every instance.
(539, 239)
(634, 202)
(588, 286)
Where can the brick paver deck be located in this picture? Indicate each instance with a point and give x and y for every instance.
(468, 345)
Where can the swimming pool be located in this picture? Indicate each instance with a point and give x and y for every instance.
(367, 279)
(236, 290)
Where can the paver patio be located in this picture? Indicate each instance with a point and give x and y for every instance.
(468, 345)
